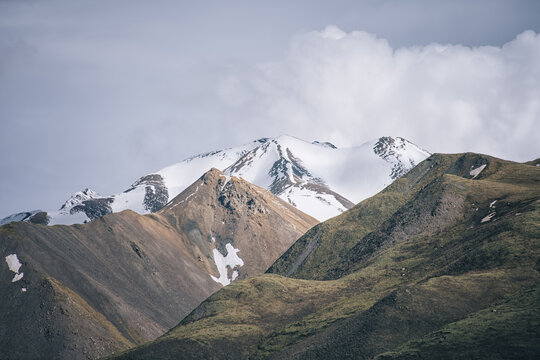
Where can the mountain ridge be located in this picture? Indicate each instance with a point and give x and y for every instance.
(317, 177)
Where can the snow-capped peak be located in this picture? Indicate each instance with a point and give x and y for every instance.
(401, 153)
(78, 198)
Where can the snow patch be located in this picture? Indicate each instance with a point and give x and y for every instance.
(59, 218)
(227, 178)
(320, 206)
(492, 203)
(133, 200)
(14, 265)
(232, 260)
(475, 172)
(488, 218)
(186, 199)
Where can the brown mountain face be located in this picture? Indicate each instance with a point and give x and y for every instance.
(85, 291)
(218, 212)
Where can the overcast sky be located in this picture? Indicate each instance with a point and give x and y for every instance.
(98, 93)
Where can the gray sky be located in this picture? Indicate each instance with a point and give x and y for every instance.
(98, 93)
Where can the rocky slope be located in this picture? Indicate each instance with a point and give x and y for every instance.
(444, 263)
(317, 178)
(84, 291)
(228, 219)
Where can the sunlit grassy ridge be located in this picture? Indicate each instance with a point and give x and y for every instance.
(435, 195)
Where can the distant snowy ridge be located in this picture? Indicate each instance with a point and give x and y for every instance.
(316, 177)
(78, 198)
(22, 216)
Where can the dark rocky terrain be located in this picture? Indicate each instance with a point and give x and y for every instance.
(156, 197)
(156, 194)
(442, 264)
(85, 291)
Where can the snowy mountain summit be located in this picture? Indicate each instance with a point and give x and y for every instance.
(316, 177)
(322, 180)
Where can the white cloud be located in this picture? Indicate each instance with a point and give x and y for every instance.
(351, 87)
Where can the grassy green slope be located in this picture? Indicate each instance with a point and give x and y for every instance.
(423, 200)
(405, 263)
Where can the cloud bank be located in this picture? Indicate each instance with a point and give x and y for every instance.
(352, 87)
(98, 94)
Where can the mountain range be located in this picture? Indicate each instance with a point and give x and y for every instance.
(316, 177)
(442, 264)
